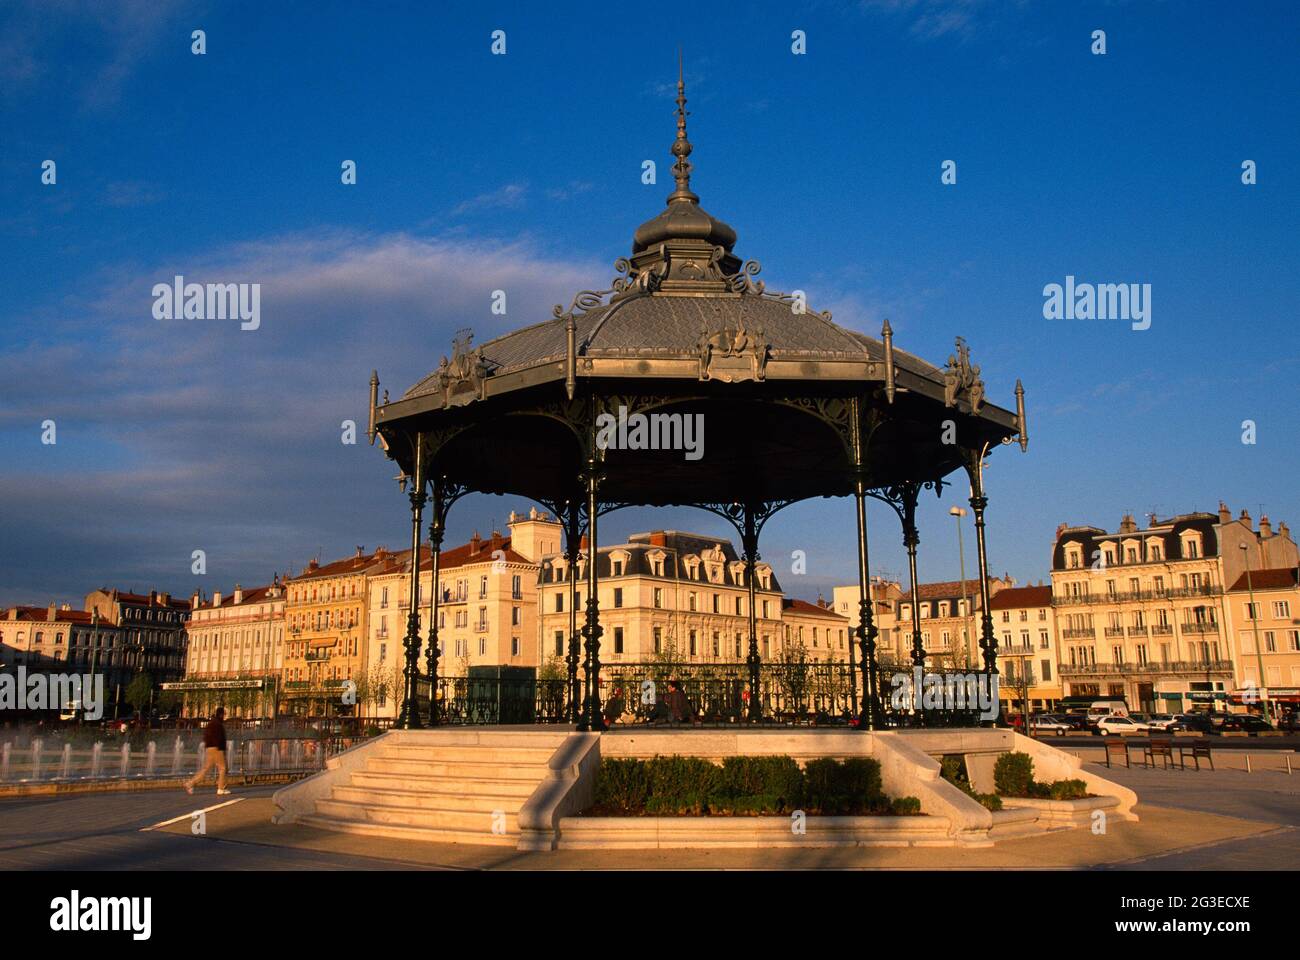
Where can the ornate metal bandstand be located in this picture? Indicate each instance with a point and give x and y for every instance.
(794, 407)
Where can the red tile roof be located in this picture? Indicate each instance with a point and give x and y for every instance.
(804, 608)
(1015, 597)
(41, 615)
(1277, 578)
(943, 590)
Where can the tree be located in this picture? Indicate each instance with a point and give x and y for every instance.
(139, 692)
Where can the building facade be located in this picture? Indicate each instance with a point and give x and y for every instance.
(151, 629)
(1264, 618)
(667, 596)
(1141, 610)
(235, 652)
(325, 631)
(487, 610)
(1024, 623)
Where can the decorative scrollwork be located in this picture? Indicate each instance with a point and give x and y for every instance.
(960, 375)
(629, 282)
(743, 280)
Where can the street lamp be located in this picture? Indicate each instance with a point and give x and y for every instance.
(957, 513)
(1254, 624)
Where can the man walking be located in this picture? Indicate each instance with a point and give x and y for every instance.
(214, 742)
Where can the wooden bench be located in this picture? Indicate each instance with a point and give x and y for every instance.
(1117, 748)
(1198, 751)
(1162, 749)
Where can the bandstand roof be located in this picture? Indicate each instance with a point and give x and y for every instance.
(687, 328)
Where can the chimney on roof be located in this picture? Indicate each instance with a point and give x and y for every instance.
(1127, 524)
(475, 543)
(584, 544)
(1265, 528)
(533, 514)
(49, 614)
(216, 598)
(1060, 529)
(65, 607)
(1283, 530)
(1225, 515)
(659, 538)
(1245, 518)
(196, 600)
(164, 599)
(239, 594)
(495, 542)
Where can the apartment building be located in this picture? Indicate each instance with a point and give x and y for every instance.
(1264, 618)
(235, 652)
(1141, 610)
(1024, 624)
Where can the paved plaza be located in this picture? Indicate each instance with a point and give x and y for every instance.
(1206, 820)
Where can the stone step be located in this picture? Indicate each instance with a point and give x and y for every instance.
(482, 753)
(387, 797)
(466, 821)
(447, 736)
(427, 783)
(464, 769)
(399, 832)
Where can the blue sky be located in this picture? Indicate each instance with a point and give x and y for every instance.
(478, 172)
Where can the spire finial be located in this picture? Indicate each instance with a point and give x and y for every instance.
(681, 146)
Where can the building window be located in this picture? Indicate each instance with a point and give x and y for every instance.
(514, 646)
(516, 588)
(716, 604)
(482, 646)
(1047, 670)
(1281, 609)
(559, 603)
(559, 643)
(516, 615)
(691, 648)
(659, 637)
(618, 596)
(690, 601)
(618, 639)
(482, 588)
(659, 597)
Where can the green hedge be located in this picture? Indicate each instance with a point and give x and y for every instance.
(674, 786)
(953, 769)
(1013, 774)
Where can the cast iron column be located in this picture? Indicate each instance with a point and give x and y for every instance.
(866, 629)
(573, 551)
(591, 718)
(436, 530)
(409, 718)
(988, 642)
(910, 540)
(750, 545)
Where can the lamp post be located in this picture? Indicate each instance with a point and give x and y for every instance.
(1254, 625)
(957, 513)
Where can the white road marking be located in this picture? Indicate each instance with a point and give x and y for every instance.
(188, 816)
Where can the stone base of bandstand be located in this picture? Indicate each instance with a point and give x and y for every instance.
(526, 786)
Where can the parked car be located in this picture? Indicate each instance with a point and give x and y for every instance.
(1198, 723)
(1121, 726)
(1244, 723)
(1048, 724)
(1165, 722)
(1077, 721)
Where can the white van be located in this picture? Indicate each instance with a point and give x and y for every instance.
(1101, 709)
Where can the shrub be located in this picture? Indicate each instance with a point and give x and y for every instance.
(758, 785)
(1013, 774)
(953, 769)
(905, 806)
(622, 786)
(832, 787)
(1069, 790)
(989, 800)
(681, 785)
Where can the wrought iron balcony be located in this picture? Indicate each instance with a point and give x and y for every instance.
(1137, 631)
(1207, 627)
(1089, 634)
(1162, 629)
(1114, 631)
